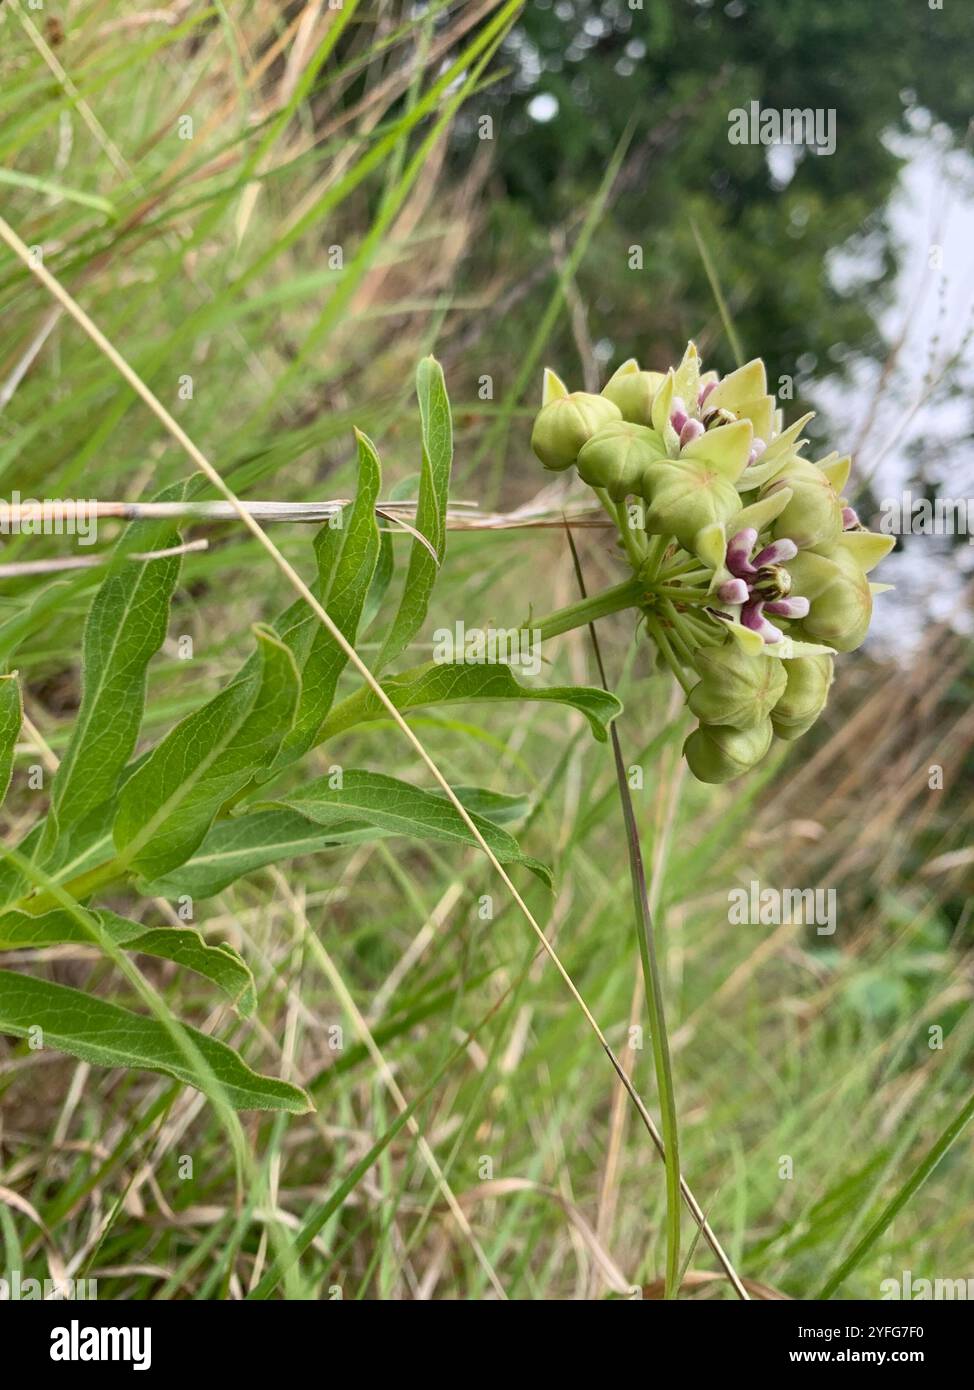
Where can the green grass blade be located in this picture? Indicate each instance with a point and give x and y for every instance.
(896, 1204)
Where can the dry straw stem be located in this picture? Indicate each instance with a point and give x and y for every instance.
(461, 516)
(40, 271)
(20, 569)
(702, 1278)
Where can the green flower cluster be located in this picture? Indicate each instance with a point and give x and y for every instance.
(752, 567)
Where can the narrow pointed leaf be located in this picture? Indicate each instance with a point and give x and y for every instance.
(106, 1035)
(401, 809)
(348, 589)
(440, 684)
(11, 718)
(434, 487)
(245, 843)
(169, 803)
(219, 964)
(385, 566)
(126, 626)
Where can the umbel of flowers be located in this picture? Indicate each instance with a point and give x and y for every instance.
(750, 568)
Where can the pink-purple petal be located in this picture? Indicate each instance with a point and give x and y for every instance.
(752, 616)
(777, 553)
(678, 413)
(739, 549)
(733, 591)
(796, 607)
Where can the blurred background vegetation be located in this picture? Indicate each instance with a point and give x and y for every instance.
(285, 205)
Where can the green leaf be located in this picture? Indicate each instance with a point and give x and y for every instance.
(169, 803)
(245, 843)
(32, 614)
(11, 718)
(385, 568)
(350, 569)
(80, 847)
(126, 626)
(400, 809)
(500, 807)
(296, 626)
(441, 684)
(107, 1035)
(434, 488)
(220, 964)
(386, 564)
(238, 846)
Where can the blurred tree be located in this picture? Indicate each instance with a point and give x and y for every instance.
(580, 70)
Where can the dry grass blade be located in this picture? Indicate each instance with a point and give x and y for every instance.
(21, 569)
(701, 1278)
(507, 1187)
(461, 516)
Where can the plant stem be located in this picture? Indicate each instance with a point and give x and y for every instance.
(681, 639)
(627, 595)
(654, 992)
(79, 888)
(686, 576)
(655, 551)
(669, 656)
(675, 591)
(634, 541)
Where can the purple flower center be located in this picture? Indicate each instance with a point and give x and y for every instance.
(761, 584)
(690, 427)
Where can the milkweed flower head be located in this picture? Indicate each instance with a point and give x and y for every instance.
(752, 565)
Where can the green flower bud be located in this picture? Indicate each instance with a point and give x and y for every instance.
(736, 688)
(632, 391)
(806, 693)
(840, 596)
(685, 498)
(568, 422)
(814, 515)
(717, 752)
(617, 457)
